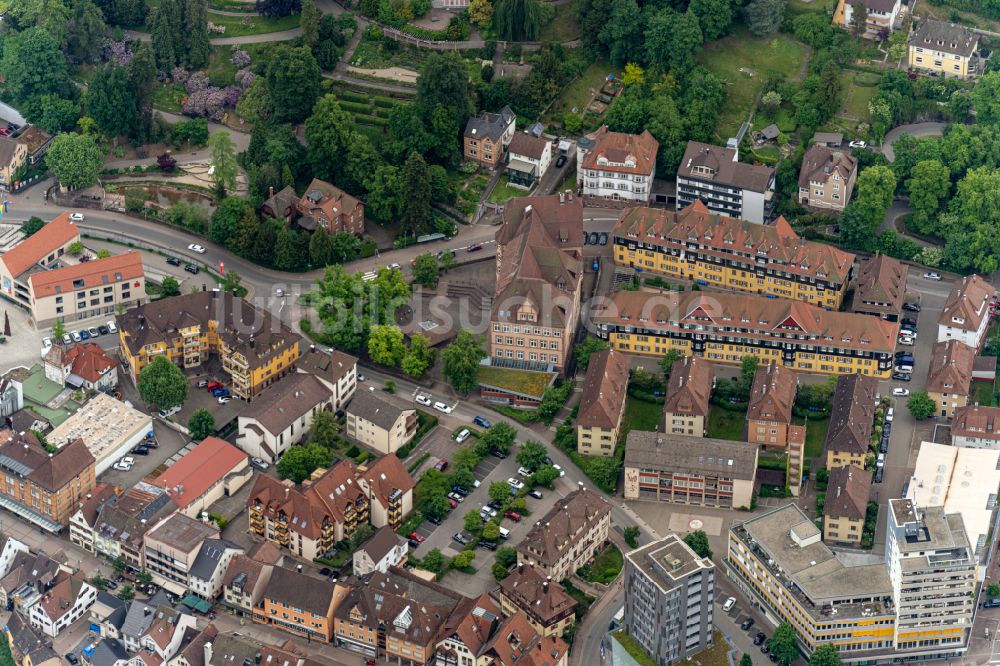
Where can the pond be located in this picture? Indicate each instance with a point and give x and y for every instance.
(164, 196)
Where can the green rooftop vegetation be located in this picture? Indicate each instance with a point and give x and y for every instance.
(526, 382)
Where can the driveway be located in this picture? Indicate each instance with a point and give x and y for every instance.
(916, 130)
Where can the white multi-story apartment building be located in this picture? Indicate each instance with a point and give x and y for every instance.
(880, 14)
(725, 185)
(283, 417)
(66, 601)
(616, 167)
(339, 371)
(967, 312)
(976, 426)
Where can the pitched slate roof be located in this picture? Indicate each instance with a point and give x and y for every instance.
(851, 415)
(527, 145)
(288, 401)
(517, 643)
(25, 456)
(91, 274)
(950, 368)
(300, 591)
(375, 407)
(943, 36)
(209, 557)
(880, 284)
(87, 360)
(489, 125)
(331, 367)
(689, 387)
(379, 544)
(558, 530)
(847, 493)
(532, 593)
(820, 163)
(772, 394)
(386, 476)
(729, 239)
(727, 170)
(976, 421)
(969, 301)
(473, 622)
(617, 149)
(604, 390)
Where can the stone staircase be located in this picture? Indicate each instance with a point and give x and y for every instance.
(477, 295)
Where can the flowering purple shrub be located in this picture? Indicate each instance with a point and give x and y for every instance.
(179, 75)
(197, 81)
(117, 52)
(241, 59)
(244, 78)
(209, 102)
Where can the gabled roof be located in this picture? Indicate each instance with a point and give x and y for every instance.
(95, 501)
(532, 593)
(851, 415)
(85, 359)
(386, 476)
(969, 301)
(950, 369)
(331, 367)
(379, 544)
(527, 145)
(775, 317)
(325, 202)
(943, 36)
(88, 275)
(8, 147)
(288, 401)
(194, 651)
(375, 407)
(517, 643)
(473, 622)
(773, 393)
(25, 457)
(820, 163)
(689, 387)
(725, 168)
(200, 469)
(724, 238)
(847, 493)
(558, 530)
(880, 284)
(976, 421)
(61, 597)
(489, 125)
(615, 151)
(604, 390)
(300, 591)
(41, 244)
(210, 557)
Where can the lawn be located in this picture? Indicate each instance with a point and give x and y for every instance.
(605, 567)
(5, 657)
(944, 13)
(526, 382)
(578, 93)
(811, 6)
(717, 655)
(856, 97)
(633, 648)
(241, 26)
(168, 97)
(221, 69)
(640, 415)
(761, 55)
(372, 54)
(503, 192)
(984, 393)
(815, 435)
(726, 424)
(563, 26)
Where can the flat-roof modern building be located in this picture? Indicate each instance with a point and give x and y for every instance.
(171, 547)
(689, 470)
(669, 595)
(109, 427)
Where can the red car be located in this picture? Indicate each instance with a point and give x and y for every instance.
(441, 465)
(213, 385)
(416, 537)
(513, 515)
(453, 503)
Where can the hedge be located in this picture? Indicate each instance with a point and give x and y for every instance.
(364, 108)
(427, 423)
(418, 462)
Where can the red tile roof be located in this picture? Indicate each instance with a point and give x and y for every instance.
(207, 464)
(619, 148)
(97, 273)
(604, 388)
(88, 360)
(36, 247)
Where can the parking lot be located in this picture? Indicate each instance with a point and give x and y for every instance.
(201, 398)
(169, 442)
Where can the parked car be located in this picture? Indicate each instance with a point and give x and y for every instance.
(121, 467)
(911, 307)
(765, 647)
(194, 247)
(112, 327)
(475, 247)
(883, 446)
(902, 376)
(434, 520)
(537, 494)
(219, 392)
(104, 330)
(488, 545)
(111, 585)
(559, 469)
(259, 464)
(900, 392)
(604, 238)
(908, 321)
(931, 275)
(223, 399)
(94, 332)
(462, 435)
(202, 383)
(211, 386)
(72, 658)
(482, 422)
(460, 490)
(523, 473)
(76, 217)
(560, 161)
(441, 407)
(456, 497)
(759, 638)
(441, 465)
(461, 538)
(499, 454)
(76, 336)
(487, 511)
(67, 339)
(513, 515)
(991, 603)
(728, 606)
(416, 537)
(173, 261)
(906, 340)
(164, 413)
(140, 451)
(84, 334)
(46, 344)
(858, 143)
(746, 624)
(514, 483)
(423, 399)
(889, 415)
(495, 504)
(191, 268)
(879, 472)
(880, 462)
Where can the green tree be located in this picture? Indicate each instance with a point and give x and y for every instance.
(858, 25)
(631, 535)
(127, 593)
(491, 531)
(929, 185)
(197, 48)
(289, 249)
(748, 368)
(224, 166)
(88, 32)
(201, 424)
(142, 79)
(829, 92)
(667, 362)
(464, 559)
(419, 357)
(586, 349)
(52, 113)
(166, 35)
(425, 270)
(301, 461)
(162, 383)
(232, 282)
(436, 505)
(499, 571)
(921, 406)
(361, 534)
(671, 39)
(293, 81)
(714, 17)
(119, 564)
(75, 160)
(499, 491)
(33, 65)
(764, 16)
(985, 98)
(460, 361)
(433, 561)
(170, 287)
(825, 655)
(324, 430)
(698, 541)
(50, 15)
(58, 329)
(444, 80)
(545, 475)
(225, 219)
(386, 345)
(103, 253)
(32, 226)
(256, 104)
(746, 660)
(858, 223)
(517, 20)
(784, 645)
(876, 185)
(604, 472)
(532, 455)
(472, 522)
(500, 437)
(415, 188)
(309, 20)
(111, 101)
(993, 590)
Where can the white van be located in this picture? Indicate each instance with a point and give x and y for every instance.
(164, 413)
(504, 533)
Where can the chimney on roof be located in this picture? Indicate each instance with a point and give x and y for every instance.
(270, 191)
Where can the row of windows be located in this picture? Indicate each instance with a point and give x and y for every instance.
(532, 356)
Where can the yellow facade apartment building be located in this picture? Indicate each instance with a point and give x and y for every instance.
(715, 250)
(725, 327)
(255, 349)
(944, 48)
